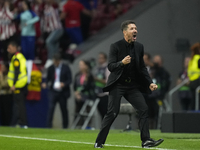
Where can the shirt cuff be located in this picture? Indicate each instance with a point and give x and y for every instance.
(121, 64)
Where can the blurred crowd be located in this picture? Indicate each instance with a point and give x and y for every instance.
(87, 85)
(44, 27)
(162, 78)
(190, 73)
(45, 32)
(50, 31)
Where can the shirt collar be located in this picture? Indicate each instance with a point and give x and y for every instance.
(128, 44)
(59, 66)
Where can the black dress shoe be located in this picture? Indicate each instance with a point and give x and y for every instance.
(97, 145)
(151, 143)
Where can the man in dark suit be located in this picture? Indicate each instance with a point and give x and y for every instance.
(58, 80)
(129, 78)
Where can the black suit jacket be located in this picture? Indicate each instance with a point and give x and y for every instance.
(116, 55)
(65, 77)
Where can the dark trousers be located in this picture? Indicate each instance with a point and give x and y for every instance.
(85, 25)
(103, 105)
(19, 108)
(75, 34)
(78, 106)
(6, 102)
(136, 99)
(28, 47)
(185, 103)
(59, 97)
(153, 112)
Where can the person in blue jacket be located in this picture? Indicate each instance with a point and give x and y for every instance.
(27, 20)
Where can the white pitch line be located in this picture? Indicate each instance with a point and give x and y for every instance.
(195, 140)
(76, 142)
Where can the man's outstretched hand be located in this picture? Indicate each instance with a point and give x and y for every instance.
(153, 87)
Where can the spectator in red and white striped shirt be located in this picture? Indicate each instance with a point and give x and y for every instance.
(52, 28)
(7, 28)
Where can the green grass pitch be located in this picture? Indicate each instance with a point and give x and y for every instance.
(54, 139)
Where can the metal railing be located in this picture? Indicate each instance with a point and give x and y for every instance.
(173, 90)
(83, 113)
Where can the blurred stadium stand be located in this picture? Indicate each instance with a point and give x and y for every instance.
(160, 23)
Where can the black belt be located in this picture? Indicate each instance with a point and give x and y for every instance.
(127, 80)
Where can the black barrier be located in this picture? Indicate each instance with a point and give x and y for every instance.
(181, 122)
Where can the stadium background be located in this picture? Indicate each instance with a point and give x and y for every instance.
(160, 23)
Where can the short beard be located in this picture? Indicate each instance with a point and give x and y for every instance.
(129, 40)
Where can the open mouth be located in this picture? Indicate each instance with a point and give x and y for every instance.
(134, 37)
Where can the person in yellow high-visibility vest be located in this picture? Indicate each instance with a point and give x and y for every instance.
(194, 71)
(17, 80)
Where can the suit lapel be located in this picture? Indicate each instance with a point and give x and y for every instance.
(122, 51)
(136, 55)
